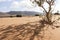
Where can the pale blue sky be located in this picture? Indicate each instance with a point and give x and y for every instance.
(22, 5)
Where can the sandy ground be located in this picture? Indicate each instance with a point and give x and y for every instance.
(17, 21)
(55, 34)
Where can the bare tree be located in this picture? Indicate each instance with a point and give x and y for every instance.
(49, 11)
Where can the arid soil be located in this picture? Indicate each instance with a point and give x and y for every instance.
(22, 29)
(17, 21)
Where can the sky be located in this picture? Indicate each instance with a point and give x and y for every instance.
(24, 5)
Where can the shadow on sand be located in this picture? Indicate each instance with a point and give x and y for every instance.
(29, 31)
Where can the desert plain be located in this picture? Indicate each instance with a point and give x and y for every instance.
(10, 33)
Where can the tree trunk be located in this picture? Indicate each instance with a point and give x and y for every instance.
(48, 17)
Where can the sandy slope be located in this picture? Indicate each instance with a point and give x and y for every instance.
(53, 33)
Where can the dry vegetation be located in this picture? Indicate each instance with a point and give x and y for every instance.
(29, 28)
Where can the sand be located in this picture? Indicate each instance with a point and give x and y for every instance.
(17, 21)
(5, 22)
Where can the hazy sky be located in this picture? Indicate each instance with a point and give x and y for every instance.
(22, 5)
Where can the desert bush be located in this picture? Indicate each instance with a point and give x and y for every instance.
(18, 15)
(11, 16)
(37, 14)
(56, 14)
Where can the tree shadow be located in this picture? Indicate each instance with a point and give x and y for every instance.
(55, 21)
(27, 31)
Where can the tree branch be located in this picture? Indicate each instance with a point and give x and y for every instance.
(44, 9)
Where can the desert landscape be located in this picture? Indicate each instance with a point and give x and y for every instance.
(22, 28)
(29, 19)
